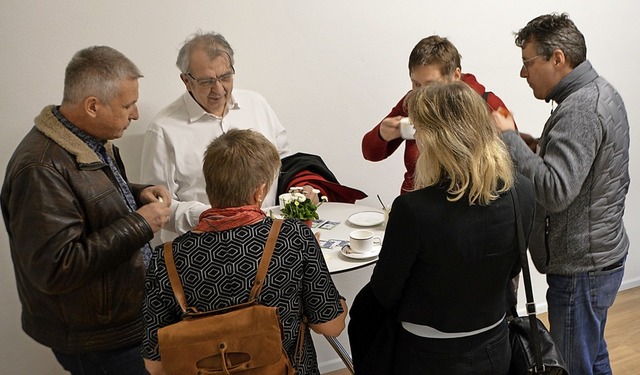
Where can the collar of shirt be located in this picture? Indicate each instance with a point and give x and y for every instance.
(196, 112)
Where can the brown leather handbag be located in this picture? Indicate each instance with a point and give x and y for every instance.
(240, 339)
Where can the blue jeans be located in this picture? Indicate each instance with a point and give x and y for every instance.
(125, 361)
(578, 306)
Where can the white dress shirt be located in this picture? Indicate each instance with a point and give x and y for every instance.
(175, 143)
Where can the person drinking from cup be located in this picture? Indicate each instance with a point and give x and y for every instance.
(433, 60)
(450, 246)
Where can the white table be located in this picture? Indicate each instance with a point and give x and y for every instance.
(336, 261)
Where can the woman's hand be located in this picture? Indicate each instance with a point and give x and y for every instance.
(154, 367)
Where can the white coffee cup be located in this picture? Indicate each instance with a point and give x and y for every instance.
(362, 241)
(406, 128)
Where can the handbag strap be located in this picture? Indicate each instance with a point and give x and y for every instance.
(531, 306)
(266, 259)
(174, 279)
(176, 285)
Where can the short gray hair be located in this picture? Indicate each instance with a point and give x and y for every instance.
(213, 43)
(97, 71)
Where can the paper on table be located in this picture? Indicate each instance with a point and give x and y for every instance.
(324, 224)
(328, 244)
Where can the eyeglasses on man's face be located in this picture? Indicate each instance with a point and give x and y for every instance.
(211, 81)
(528, 62)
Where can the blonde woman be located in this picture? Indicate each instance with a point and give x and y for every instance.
(450, 247)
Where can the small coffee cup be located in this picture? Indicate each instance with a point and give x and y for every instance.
(406, 129)
(362, 241)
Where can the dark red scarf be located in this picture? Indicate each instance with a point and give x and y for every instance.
(219, 219)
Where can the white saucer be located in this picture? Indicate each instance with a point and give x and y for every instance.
(346, 251)
(367, 218)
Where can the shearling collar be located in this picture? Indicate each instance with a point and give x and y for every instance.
(49, 125)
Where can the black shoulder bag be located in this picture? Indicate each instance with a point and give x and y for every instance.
(532, 348)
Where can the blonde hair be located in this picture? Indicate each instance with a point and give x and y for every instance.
(236, 164)
(459, 143)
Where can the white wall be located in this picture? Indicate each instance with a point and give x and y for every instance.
(330, 69)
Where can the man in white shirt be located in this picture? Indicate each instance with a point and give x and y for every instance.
(178, 136)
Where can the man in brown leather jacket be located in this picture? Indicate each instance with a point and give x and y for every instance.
(77, 228)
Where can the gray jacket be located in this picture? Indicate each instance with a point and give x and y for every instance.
(580, 177)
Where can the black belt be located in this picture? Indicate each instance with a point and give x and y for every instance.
(613, 266)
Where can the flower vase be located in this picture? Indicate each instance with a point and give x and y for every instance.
(308, 222)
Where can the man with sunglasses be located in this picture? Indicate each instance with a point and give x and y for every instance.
(581, 178)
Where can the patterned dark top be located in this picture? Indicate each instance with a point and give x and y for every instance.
(220, 268)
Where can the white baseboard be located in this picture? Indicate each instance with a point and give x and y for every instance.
(628, 284)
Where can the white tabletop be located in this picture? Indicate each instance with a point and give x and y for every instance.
(336, 261)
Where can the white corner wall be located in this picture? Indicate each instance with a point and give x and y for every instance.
(330, 69)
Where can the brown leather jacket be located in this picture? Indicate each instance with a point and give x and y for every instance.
(74, 243)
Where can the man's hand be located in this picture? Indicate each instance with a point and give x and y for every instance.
(503, 119)
(504, 122)
(530, 141)
(390, 128)
(156, 193)
(155, 209)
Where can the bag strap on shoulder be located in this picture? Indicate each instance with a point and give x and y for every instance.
(174, 279)
(531, 306)
(485, 95)
(176, 285)
(265, 260)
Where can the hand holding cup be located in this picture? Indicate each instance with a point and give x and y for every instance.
(407, 130)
